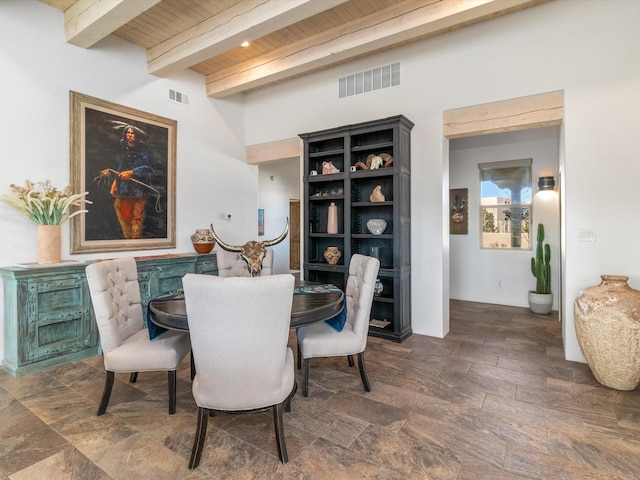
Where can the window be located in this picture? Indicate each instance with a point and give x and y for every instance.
(505, 204)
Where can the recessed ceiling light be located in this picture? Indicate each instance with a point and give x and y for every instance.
(244, 44)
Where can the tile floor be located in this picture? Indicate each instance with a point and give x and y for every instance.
(494, 400)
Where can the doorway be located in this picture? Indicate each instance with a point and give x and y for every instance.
(517, 114)
(502, 274)
(294, 235)
(278, 187)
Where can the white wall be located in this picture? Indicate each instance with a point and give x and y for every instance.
(37, 71)
(278, 183)
(475, 271)
(589, 52)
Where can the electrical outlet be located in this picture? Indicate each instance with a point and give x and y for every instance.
(498, 283)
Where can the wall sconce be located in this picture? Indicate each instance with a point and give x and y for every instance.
(546, 183)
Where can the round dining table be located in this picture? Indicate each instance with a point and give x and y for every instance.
(311, 303)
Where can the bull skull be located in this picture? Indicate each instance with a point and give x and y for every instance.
(252, 252)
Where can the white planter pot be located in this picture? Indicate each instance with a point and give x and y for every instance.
(540, 303)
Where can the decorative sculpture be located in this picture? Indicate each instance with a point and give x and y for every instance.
(332, 255)
(376, 195)
(252, 252)
(328, 167)
(376, 161)
(376, 226)
(202, 240)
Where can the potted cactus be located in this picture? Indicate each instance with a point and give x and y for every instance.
(541, 299)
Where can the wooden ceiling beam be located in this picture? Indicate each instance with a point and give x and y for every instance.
(533, 111)
(278, 150)
(87, 22)
(382, 30)
(245, 21)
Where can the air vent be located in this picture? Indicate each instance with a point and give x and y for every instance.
(370, 80)
(179, 97)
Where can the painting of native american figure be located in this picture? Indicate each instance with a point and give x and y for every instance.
(125, 159)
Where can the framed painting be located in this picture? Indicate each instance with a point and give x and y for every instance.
(260, 222)
(458, 211)
(126, 160)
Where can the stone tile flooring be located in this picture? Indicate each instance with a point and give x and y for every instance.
(494, 400)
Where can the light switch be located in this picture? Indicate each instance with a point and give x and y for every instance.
(587, 234)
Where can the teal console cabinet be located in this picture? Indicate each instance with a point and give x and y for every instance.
(48, 319)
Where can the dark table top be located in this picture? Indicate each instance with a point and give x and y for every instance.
(306, 308)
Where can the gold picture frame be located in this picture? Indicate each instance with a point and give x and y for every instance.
(126, 159)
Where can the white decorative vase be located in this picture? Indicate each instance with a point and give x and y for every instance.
(376, 226)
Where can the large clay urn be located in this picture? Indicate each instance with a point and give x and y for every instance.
(607, 320)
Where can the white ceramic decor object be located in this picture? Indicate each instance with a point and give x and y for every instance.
(377, 226)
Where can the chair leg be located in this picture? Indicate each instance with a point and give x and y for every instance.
(278, 424)
(350, 359)
(287, 404)
(363, 372)
(193, 366)
(172, 391)
(299, 355)
(106, 393)
(305, 377)
(198, 441)
(133, 377)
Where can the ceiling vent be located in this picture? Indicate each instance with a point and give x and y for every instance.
(370, 80)
(179, 97)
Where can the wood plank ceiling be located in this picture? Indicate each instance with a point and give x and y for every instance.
(288, 38)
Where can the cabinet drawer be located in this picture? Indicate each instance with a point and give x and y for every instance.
(58, 321)
(57, 295)
(170, 278)
(157, 279)
(62, 334)
(207, 267)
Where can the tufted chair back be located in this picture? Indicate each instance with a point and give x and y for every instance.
(126, 345)
(321, 340)
(363, 272)
(230, 264)
(116, 300)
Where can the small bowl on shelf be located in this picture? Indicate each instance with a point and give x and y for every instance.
(376, 226)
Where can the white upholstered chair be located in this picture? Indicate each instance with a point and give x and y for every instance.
(321, 340)
(239, 329)
(230, 264)
(126, 347)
